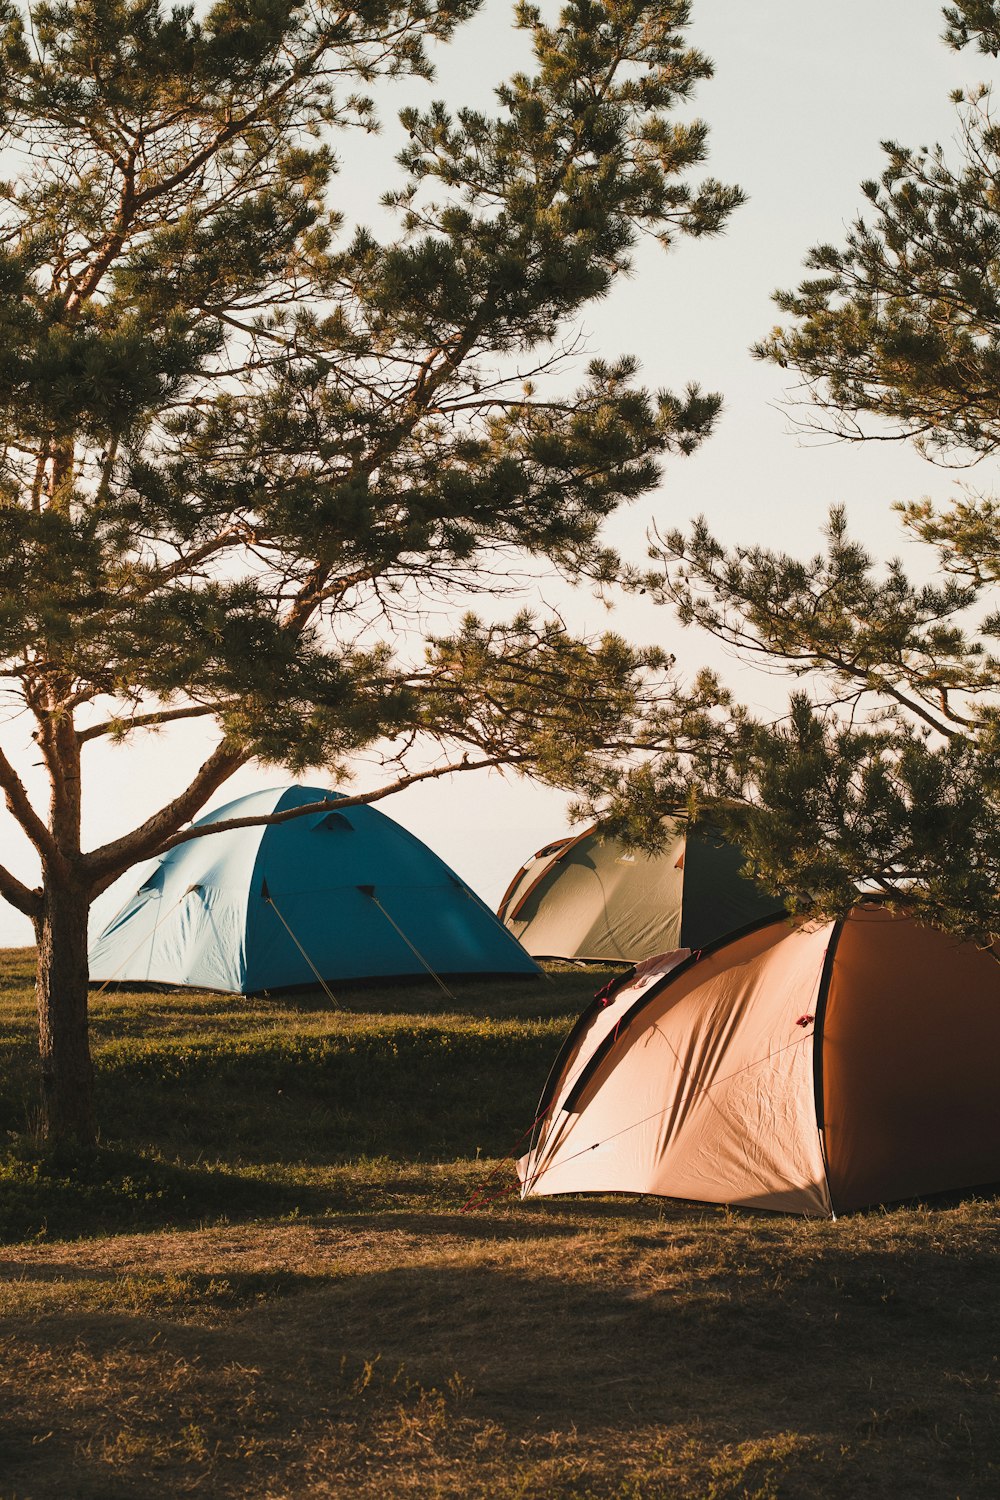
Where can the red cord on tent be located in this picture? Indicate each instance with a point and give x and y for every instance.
(477, 1198)
(487, 1200)
(607, 994)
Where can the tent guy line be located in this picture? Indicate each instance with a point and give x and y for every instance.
(701, 1090)
(266, 894)
(478, 1198)
(369, 891)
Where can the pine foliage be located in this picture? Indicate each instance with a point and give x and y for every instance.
(884, 774)
(247, 449)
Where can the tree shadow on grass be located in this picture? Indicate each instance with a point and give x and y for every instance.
(179, 1291)
(108, 1191)
(416, 1098)
(112, 1190)
(480, 996)
(868, 1363)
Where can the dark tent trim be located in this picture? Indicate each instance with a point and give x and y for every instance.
(655, 989)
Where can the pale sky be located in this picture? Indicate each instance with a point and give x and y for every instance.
(802, 96)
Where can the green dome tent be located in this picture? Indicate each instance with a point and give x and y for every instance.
(330, 895)
(592, 899)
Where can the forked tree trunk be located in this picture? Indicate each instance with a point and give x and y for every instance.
(64, 1043)
(68, 885)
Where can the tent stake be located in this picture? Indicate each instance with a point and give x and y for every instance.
(369, 891)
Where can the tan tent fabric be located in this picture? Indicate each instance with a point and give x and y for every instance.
(708, 1094)
(533, 872)
(703, 1082)
(591, 898)
(602, 1020)
(911, 1062)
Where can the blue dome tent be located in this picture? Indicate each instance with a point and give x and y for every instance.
(332, 895)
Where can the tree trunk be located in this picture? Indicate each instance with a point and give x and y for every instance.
(61, 988)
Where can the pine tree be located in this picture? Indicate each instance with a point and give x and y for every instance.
(245, 448)
(973, 21)
(886, 772)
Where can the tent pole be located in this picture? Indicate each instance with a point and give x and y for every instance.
(369, 891)
(319, 978)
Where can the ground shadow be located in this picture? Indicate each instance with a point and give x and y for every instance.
(853, 1357)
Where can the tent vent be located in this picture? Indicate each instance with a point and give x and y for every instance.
(335, 820)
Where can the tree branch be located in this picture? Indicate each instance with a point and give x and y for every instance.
(338, 804)
(24, 814)
(146, 721)
(20, 896)
(106, 863)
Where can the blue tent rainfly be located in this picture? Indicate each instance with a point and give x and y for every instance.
(342, 895)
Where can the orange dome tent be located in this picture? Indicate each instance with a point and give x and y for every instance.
(814, 1069)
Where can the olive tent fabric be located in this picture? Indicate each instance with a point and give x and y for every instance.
(349, 894)
(593, 899)
(814, 1069)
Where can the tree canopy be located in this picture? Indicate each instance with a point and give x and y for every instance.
(975, 21)
(247, 449)
(884, 774)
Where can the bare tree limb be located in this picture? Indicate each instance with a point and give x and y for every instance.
(147, 720)
(107, 873)
(19, 895)
(24, 814)
(111, 859)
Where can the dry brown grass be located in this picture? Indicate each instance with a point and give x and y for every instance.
(585, 1349)
(358, 1336)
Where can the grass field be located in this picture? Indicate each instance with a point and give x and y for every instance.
(263, 1285)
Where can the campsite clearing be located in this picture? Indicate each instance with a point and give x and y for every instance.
(264, 1286)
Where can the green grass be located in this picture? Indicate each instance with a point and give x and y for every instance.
(262, 1284)
(213, 1106)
